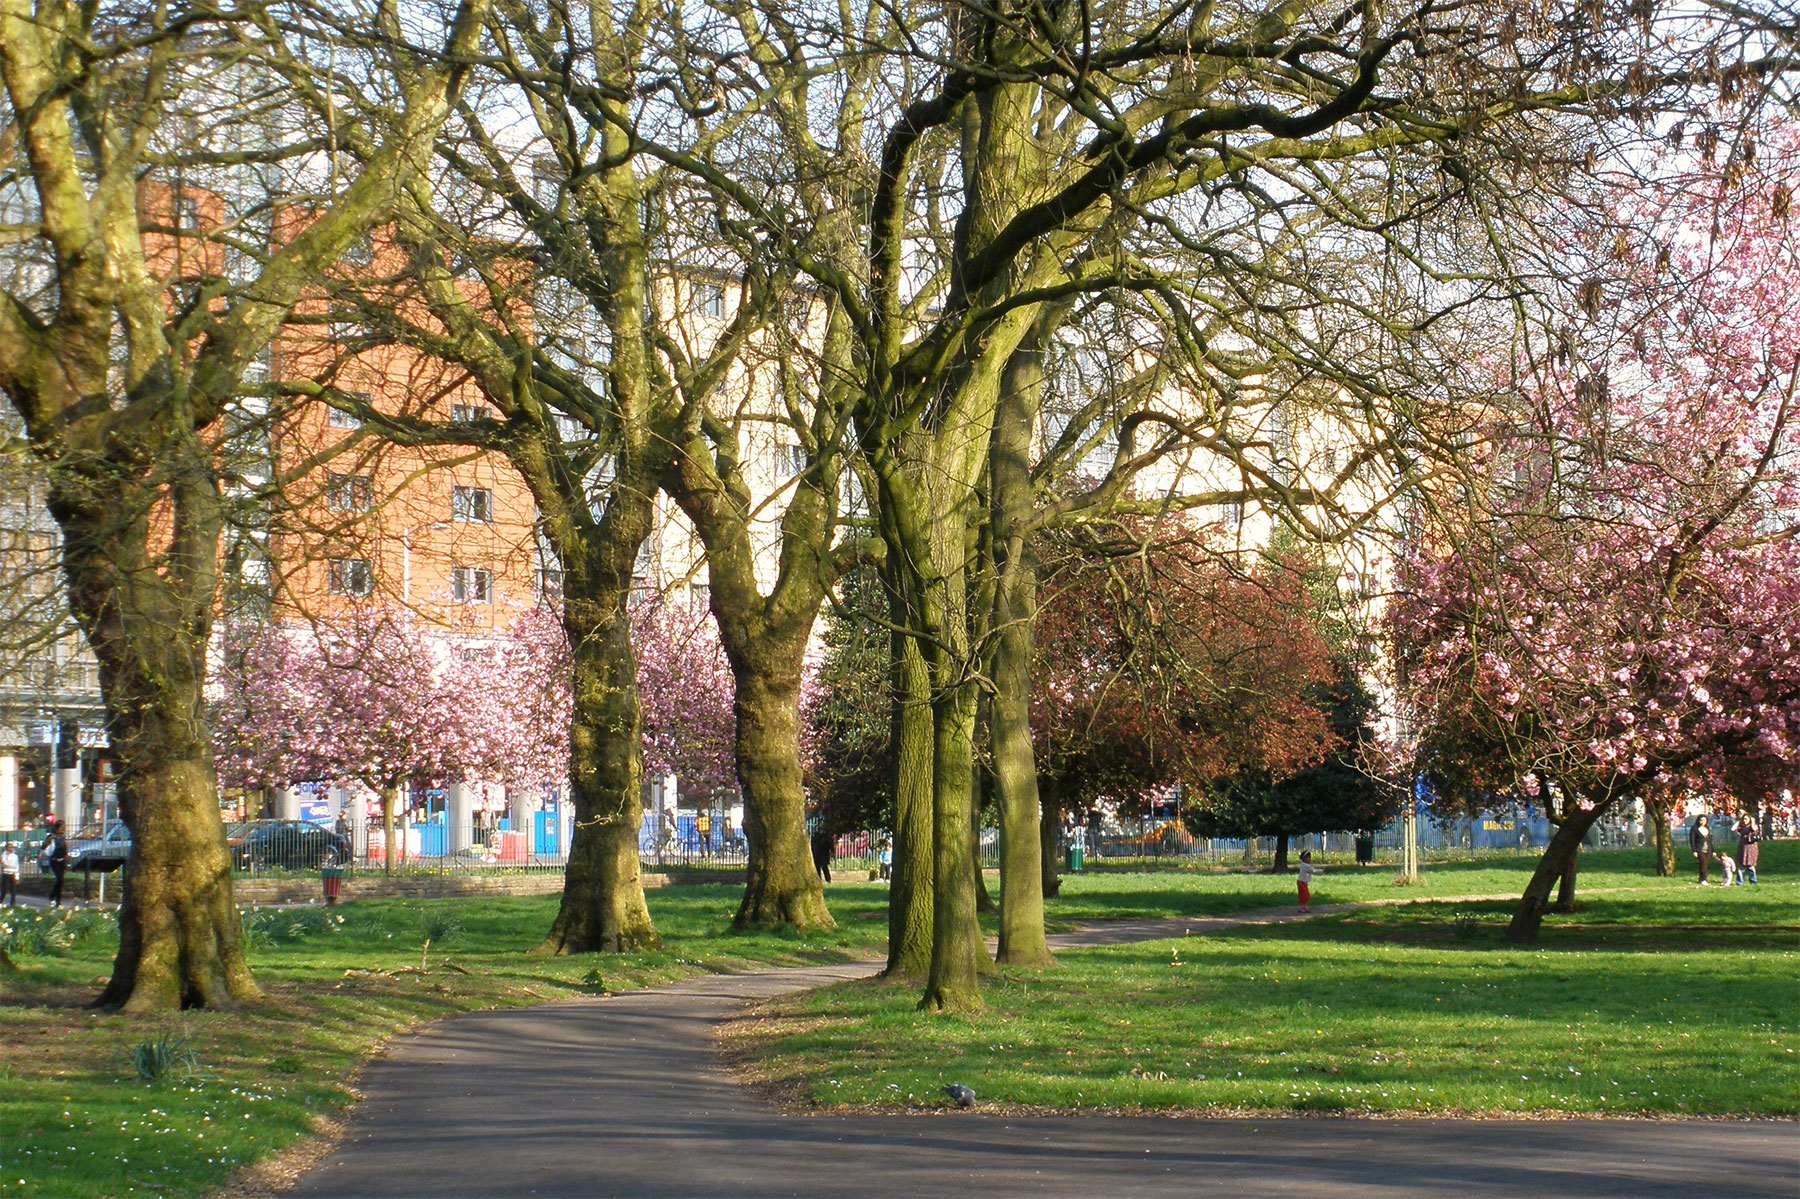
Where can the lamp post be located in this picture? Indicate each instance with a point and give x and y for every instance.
(406, 557)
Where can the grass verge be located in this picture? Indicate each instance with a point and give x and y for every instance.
(173, 1105)
(1655, 998)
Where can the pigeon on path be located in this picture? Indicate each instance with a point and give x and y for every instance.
(964, 1096)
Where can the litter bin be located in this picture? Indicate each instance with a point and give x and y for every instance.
(1077, 857)
(333, 878)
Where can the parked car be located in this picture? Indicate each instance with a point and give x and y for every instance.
(97, 847)
(284, 845)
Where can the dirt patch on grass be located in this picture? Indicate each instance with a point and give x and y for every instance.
(740, 1040)
(277, 1173)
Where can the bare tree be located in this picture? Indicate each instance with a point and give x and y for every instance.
(135, 309)
(1282, 125)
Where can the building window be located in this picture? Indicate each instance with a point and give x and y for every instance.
(463, 414)
(1234, 513)
(790, 460)
(709, 300)
(700, 596)
(471, 584)
(351, 576)
(471, 504)
(339, 419)
(361, 252)
(550, 583)
(350, 493)
(570, 429)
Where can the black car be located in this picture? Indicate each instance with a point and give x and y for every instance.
(284, 845)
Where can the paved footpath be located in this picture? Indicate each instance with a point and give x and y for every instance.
(627, 1096)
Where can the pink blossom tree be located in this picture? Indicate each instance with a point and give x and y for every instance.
(689, 718)
(377, 699)
(1623, 620)
(684, 683)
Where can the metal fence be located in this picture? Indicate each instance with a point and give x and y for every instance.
(285, 847)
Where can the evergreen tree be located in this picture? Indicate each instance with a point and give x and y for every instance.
(850, 712)
(1337, 793)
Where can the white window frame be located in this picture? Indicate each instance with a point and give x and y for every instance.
(470, 504)
(709, 300)
(790, 460)
(471, 585)
(351, 576)
(350, 493)
(337, 418)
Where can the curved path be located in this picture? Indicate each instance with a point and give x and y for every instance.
(626, 1096)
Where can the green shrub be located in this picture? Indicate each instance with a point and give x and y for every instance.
(438, 924)
(163, 1057)
(267, 927)
(52, 934)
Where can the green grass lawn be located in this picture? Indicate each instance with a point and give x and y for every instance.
(1116, 892)
(79, 1120)
(1656, 997)
(1664, 997)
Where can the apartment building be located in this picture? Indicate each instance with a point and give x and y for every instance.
(52, 722)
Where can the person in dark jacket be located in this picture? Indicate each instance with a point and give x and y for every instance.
(1700, 841)
(822, 851)
(55, 855)
(1749, 831)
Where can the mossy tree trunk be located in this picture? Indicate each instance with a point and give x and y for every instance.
(629, 425)
(957, 952)
(781, 886)
(1022, 826)
(603, 907)
(910, 893)
(765, 638)
(180, 942)
(119, 399)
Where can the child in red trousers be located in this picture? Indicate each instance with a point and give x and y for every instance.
(1306, 874)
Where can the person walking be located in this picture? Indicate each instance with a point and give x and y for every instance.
(703, 830)
(1700, 841)
(9, 875)
(1749, 832)
(821, 852)
(55, 854)
(1305, 879)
